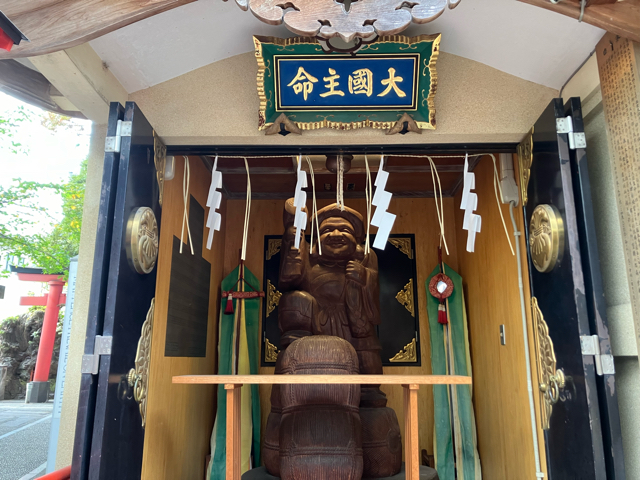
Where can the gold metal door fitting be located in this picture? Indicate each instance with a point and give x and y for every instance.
(550, 379)
(546, 237)
(142, 240)
(138, 377)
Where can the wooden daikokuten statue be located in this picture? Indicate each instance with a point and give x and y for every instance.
(335, 294)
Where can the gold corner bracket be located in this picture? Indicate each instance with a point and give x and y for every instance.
(409, 354)
(550, 379)
(270, 351)
(138, 377)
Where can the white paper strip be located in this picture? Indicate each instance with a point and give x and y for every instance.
(469, 203)
(214, 199)
(381, 200)
(300, 201)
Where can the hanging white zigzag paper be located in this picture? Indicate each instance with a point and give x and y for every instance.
(472, 222)
(300, 201)
(381, 218)
(213, 202)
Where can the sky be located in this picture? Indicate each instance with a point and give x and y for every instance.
(48, 157)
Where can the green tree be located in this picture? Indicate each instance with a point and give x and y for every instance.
(22, 213)
(9, 125)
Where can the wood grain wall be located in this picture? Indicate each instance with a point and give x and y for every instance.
(180, 418)
(490, 278)
(417, 216)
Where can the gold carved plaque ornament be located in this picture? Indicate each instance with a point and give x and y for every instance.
(546, 237)
(142, 240)
(405, 297)
(138, 377)
(270, 351)
(160, 161)
(550, 379)
(525, 160)
(273, 297)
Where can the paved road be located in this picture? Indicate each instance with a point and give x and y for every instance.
(24, 439)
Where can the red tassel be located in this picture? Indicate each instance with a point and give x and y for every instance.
(442, 314)
(229, 308)
(5, 41)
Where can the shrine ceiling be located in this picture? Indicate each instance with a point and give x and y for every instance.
(275, 177)
(519, 39)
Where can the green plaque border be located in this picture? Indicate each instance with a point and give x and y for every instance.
(427, 46)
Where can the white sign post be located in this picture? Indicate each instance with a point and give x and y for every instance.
(62, 366)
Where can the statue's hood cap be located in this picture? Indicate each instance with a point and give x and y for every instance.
(349, 214)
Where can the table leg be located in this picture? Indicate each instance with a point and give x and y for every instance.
(233, 457)
(411, 445)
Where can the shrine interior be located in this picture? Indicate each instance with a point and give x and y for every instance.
(180, 418)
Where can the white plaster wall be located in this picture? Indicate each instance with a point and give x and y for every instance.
(218, 104)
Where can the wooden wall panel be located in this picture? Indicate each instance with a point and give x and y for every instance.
(180, 418)
(417, 216)
(492, 298)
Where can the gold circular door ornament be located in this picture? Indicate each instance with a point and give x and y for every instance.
(142, 240)
(546, 237)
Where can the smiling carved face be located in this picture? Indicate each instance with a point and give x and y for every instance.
(338, 238)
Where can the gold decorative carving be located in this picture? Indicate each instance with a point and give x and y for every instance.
(160, 161)
(525, 159)
(405, 297)
(270, 351)
(142, 240)
(404, 245)
(138, 377)
(408, 354)
(546, 237)
(363, 19)
(273, 297)
(273, 247)
(550, 380)
(366, 123)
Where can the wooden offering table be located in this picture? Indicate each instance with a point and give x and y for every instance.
(411, 384)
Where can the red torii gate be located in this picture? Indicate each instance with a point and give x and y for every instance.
(52, 302)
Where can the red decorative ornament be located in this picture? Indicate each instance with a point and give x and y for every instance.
(441, 288)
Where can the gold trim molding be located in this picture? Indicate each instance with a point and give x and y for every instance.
(160, 161)
(142, 240)
(138, 377)
(404, 245)
(525, 160)
(270, 351)
(273, 247)
(408, 354)
(405, 297)
(273, 297)
(546, 237)
(550, 380)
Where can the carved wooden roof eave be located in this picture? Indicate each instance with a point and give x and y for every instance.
(329, 18)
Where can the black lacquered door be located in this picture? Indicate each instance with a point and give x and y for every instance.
(573, 354)
(109, 433)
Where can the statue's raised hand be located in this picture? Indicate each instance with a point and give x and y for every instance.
(356, 272)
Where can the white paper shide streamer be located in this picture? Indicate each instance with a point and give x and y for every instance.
(300, 201)
(472, 222)
(381, 218)
(213, 202)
